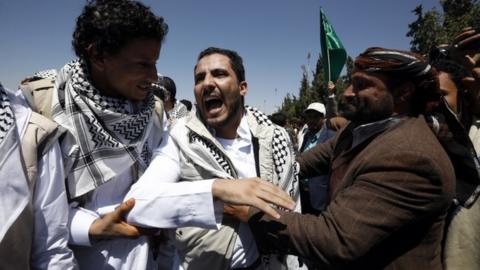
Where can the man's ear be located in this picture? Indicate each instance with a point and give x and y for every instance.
(96, 59)
(243, 88)
(404, 93)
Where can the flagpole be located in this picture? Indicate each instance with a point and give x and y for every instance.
(328, 61)
(328, 57)
(329, 41)
(329, 69)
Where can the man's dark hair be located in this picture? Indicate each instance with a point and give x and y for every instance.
(110, 25)
(187, 104)
(169, 85)
(279, 118)
(442, 58)
(235, 60)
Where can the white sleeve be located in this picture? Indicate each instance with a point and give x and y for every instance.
(163, 202)
(79, 222)
(49, 247)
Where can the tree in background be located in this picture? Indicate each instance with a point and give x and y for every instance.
(329, 66)
(433, 27)
(430, 28)
(293, 106)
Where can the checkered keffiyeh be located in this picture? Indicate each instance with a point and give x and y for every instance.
(46, 74)
(202, 156)
(285, 174)
(109, 134)
(179, 110)
(7, 120)
(283, 154)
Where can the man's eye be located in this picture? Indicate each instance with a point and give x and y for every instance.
(198, 79)
(359, 85)
(219, 73)
(142, 65)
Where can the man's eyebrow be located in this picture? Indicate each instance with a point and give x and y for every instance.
(218, 69)
(359, 78)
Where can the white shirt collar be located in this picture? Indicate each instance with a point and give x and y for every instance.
(244, 137)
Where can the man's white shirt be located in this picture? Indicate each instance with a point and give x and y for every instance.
(163, 202)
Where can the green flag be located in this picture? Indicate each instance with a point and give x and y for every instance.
(333, 52)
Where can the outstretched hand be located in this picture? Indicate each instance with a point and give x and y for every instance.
(466, 46)
(113, 224)
(337, 123)
(253, 192)
(331, 88)
(240, 212)
(467, 41)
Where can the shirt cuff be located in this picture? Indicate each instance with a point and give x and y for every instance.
(80, 221)
(175, 205)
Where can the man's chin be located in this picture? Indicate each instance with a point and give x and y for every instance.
(141, 96)
(215, 122)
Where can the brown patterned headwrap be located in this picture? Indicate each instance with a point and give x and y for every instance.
(405, 64)
(400, 67)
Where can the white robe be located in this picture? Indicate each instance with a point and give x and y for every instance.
(178, 206)
(49, 200)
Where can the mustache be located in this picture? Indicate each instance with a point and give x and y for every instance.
(351, 100)
(211, 91)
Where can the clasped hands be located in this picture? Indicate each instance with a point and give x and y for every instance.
(238, 196)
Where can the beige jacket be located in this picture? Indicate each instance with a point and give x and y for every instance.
(202, 157)
(39, 136)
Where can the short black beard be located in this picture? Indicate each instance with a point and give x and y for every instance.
(350, 109)
(237, 108)
(360, 112)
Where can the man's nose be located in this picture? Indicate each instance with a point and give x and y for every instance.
(152, 75)
(208, 82)
(209, 79)
(349, 92)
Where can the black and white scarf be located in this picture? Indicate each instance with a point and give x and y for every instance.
(203, 157)
(179, 110)
(14, 190)
(109, 133)
(275, 150)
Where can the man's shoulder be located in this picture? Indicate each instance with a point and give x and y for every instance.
(42, 123)
(413, 135)
(413, 130)
(183, 125)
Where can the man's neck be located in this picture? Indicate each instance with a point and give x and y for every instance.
(229, 131)
(98, 81)
(169, 105)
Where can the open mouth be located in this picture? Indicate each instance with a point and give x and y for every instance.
(213, 103)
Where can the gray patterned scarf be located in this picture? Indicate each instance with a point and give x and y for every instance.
(203, 157)
(109, 134)
(178, 111)
(276, 155)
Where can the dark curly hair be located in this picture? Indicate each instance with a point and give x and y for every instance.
(111, 24)
(169, 85)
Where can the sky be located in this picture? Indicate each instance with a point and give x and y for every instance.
(273, 37)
